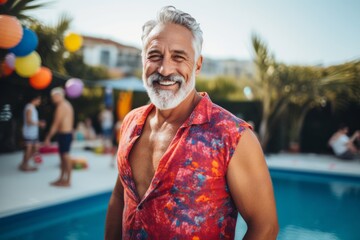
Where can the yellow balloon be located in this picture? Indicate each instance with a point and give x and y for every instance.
(28, 65)
(73, 42)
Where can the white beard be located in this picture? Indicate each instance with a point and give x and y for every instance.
(168, 99)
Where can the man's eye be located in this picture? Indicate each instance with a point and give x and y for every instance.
(154, 57)
(178, 58)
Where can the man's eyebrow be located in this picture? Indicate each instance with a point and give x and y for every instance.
(151, 51)
(181, 52)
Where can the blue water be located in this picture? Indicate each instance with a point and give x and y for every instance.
(309, 207)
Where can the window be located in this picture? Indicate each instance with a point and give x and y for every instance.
(105, 57)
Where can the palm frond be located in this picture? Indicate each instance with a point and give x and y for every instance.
(18, 8)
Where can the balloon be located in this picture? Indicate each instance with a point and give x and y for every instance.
(10, 60)
(11, 31)
(5, 70)
(74, 87)
(73, 42)
(41, 79)
(28, 65)
(2, 2)
(27, 44)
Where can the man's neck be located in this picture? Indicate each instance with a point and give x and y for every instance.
(180, 113)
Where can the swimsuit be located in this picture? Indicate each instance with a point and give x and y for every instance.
(64, 141)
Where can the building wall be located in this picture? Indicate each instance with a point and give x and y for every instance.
(234, 68)
(110, 54)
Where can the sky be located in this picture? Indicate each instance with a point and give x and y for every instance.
(306, 32)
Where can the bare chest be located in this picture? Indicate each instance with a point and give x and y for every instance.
(146, 154)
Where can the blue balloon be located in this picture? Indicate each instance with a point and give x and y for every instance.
(27, 44)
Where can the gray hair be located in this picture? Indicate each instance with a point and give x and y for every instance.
(170, 14)
(57, 90)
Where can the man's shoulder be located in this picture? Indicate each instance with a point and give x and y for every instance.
(28, 106)
(136, 113)
(220, 115)
(64, 106)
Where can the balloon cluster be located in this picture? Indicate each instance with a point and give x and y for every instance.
(21, 44)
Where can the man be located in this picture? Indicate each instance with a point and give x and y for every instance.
(342, 145)
(186, 166)
(31, 132)
(62, 125)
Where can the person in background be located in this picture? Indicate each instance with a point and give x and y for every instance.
(344, 146)
(106, 122)
(31, 133)
(90, 133)
(80, 131)
(187, 167)
(62, 125)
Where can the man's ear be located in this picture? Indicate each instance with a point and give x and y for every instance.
(199, 65)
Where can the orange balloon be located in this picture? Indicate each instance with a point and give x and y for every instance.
(41, 79)
(11, 31)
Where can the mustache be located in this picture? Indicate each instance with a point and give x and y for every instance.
(156, 77)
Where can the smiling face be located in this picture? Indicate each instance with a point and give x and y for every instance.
(169, 65)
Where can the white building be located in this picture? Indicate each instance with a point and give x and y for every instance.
(229, 67)
(118, 58)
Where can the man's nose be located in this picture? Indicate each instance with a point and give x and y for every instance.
(166, 67)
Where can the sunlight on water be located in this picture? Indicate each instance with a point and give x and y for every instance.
(298, 233)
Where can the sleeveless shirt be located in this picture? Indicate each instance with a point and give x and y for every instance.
(188, 197)
(31, 131)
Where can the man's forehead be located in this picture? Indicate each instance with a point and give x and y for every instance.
(173, 34)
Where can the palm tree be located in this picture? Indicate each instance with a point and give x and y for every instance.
(267, 89)
(297, 89)
(316, 86)
(51, 48)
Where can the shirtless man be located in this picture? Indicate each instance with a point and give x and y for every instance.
(62, 125)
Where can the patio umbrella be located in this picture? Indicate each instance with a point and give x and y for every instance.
(126, 84)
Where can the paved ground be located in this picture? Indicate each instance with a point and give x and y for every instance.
(21, 191)
(316, 163)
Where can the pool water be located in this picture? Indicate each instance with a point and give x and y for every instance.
(309, 207)
(318, 207)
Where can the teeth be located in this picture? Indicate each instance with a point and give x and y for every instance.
(166, 83)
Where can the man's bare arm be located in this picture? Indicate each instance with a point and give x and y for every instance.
(59, 112)
(251, 188)
(113, 228)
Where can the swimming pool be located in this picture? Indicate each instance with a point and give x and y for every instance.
(310, 206)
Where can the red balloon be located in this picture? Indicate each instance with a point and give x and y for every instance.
(5, 70)
(41, 79)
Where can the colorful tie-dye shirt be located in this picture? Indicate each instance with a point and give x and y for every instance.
(188, 197)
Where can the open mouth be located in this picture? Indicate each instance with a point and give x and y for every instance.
(166, 82)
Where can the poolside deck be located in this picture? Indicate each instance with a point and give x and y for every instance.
(27, 191)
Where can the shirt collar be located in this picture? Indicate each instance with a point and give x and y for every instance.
(200, 115)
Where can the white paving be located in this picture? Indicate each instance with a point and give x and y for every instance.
(21, 191)
(315, 163)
